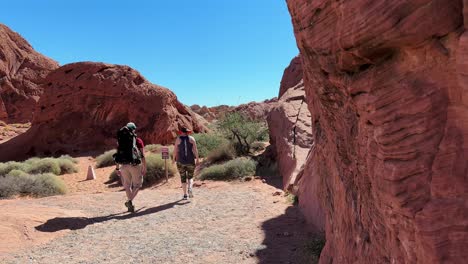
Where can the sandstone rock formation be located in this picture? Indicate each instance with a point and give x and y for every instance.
(85, 103)
(254, 110)
(22, 70)
(292, 75)
(290, 127)
(386, 84)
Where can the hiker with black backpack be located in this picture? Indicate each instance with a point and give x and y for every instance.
(186, 156)
(130, 162)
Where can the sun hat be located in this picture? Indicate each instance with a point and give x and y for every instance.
(185, 130)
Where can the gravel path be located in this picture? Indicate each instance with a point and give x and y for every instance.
(224, 223)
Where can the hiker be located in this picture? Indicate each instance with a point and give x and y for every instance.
(130, 162)
(186, 156)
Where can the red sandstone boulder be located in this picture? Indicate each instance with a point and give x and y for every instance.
(290, 128)
(22, 70)
(292, 75)
(85, 103)
(386, 85)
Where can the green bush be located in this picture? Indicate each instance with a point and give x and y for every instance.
(68, 157)
(206, 143)
(67, 166)
(243, 131)
(47, 165)
(56, 166)
(234, 169)
(155, 170)
(222, 153)
(6, 167)
(41, 185)
(17, 173)
(105, 159)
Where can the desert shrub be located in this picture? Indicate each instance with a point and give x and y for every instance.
(47, 165)
(56, 166)
(67, 166)
(155, 170)
(105, 159)
(40, 185)
(6, 167)
(222, 153)
(234, 169)
(17, 173)
(70, 158)
(208, 142)
(242, 131)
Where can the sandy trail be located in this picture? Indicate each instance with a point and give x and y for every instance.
(236, 222)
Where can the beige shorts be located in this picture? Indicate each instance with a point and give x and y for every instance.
(131, 175)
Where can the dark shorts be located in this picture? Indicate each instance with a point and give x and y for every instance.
(186, 171)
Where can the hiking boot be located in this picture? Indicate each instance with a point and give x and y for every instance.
(190, 193)
(130, 206)
(185, 197)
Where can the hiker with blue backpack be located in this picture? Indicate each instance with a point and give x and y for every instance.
(130, 162)
(186, 156)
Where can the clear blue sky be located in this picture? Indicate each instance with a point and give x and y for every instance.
(209, 52)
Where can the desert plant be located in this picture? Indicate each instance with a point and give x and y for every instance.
(6, 167)
(234, 169)
(242, 131)
(208, 142)
(70, 158)
(222, 153)
(47, 165)
(17, 173)
(67, 165)
(17, 183)
(105, 159)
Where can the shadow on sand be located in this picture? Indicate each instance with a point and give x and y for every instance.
(287, 239)
(74, 223)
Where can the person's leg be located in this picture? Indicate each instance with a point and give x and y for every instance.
(183, 177)
(137, 181)
(190, 173)
(126, 180)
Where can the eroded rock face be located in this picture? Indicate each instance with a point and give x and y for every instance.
(290, 128)
(387, 88)
(254, 110)
(292, 75)
(84, 105)
(22, 71)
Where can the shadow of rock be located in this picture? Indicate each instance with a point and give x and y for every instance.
(287, 239)
(74, 223)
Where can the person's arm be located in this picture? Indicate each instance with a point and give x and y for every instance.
(195, 150)
(175, 152)
(143, 161)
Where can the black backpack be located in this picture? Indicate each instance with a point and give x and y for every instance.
(127, 151)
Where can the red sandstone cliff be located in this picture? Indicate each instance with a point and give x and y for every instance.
(386, 85)
(290, 127)
(85, 103)
(22, 70)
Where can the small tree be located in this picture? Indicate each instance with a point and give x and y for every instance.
(242, 131)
